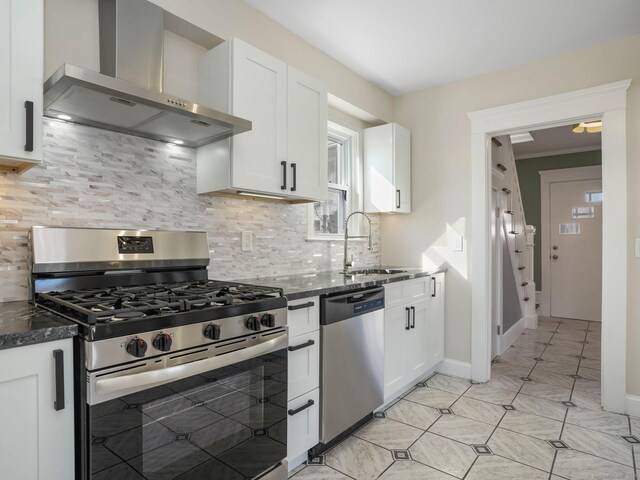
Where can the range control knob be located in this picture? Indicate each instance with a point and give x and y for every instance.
(268, 320)
(253, 323)
(136, 347)
(212, 331)
(162, 342)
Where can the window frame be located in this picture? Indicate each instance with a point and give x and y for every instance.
(353, 187)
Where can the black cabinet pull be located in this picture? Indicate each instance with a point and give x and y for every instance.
(433, 286)
(28, 146)
(408, 325)
(294, 174)
(413, 317)
(398, 198)
(301, 346)
(293, 412)
(284, 175)
(301, 306)
(58, 359)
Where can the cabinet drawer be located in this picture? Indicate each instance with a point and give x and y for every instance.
(303, 316)
(304, 364)
(303, 425)
(402, 293)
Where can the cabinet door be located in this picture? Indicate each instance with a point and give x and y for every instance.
(380, 192)
(304, 364)
(36, 441)
(306, 136)
(435, 319)
(396, 322)
(21, 72)
(402, 168)
(417, 348)
(303, 424)
(259, 85)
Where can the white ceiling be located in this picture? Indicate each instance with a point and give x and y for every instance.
(556, 140)
(407, 45)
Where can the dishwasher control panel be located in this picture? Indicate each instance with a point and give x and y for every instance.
(364, 307)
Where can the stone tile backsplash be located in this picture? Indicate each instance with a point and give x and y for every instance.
(95, 178)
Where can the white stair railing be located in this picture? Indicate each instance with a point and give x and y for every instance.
(520, 236)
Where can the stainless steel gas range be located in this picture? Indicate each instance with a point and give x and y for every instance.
(178, 376)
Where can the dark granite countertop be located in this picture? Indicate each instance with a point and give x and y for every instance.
(21, 323)
(311, 284)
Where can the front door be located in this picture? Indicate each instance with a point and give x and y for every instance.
(575, 234)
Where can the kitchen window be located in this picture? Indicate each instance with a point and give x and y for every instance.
(326, 219)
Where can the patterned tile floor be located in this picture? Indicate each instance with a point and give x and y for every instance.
(538, 418)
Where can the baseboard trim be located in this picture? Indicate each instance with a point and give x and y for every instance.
(510, 335)
(456, 368)
(531, 321)
(633, 405)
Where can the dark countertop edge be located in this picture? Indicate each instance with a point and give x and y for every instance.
(23, 324)
(401, 277)
(34, 337)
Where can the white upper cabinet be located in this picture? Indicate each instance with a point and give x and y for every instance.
(21, 72)
(387, 172)
(307, 120)
(285, 153)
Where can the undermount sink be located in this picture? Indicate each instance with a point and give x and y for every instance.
(375, 271)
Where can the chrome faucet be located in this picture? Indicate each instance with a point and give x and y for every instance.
(349, 263)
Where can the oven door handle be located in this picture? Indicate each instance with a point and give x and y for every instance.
(126, 383)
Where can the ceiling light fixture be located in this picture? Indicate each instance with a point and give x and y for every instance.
(594, 126)
(64, 117)
(521, 137)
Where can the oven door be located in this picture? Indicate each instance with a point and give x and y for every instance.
(218, 412)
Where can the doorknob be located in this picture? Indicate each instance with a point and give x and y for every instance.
(555, 247)
(555, 257)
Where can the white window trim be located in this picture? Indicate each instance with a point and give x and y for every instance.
(356, 197)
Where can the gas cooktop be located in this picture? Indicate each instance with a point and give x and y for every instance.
(118, 309)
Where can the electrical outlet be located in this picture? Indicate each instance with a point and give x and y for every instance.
(247, 241)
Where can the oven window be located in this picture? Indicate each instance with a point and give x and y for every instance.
(229, 424)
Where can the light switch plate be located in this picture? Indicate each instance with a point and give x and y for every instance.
(637, 247)
(454, 240)
(247, 241)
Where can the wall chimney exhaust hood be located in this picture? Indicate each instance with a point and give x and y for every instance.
(126, 96)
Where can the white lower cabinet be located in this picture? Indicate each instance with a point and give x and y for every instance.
(413, 331)
(36, 439)
(304, 364)
(303, 424)
(435, 318)
(303, 419)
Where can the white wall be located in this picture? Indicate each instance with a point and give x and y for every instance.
(441, 169)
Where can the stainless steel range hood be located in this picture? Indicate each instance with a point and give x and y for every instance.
(127, 95)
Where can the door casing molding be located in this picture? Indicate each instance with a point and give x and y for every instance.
(608, 102)
(547, 177)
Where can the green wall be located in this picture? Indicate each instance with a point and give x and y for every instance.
(529, 179)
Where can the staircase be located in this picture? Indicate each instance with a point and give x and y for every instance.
(519, 236)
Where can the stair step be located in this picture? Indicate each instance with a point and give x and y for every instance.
(521, 268)
(501, 167)
(496, 141)
(507, 191)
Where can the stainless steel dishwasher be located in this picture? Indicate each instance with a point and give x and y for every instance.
(352, 361)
